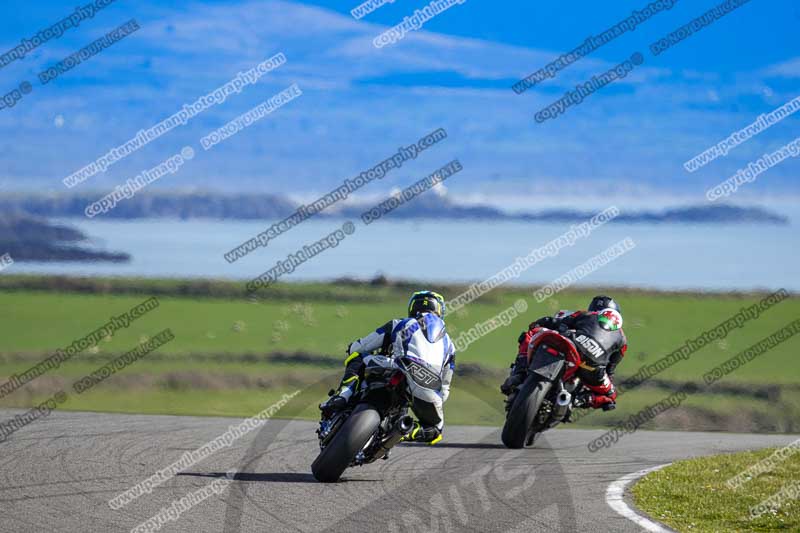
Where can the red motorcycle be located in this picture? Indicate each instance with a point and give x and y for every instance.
(547, 396)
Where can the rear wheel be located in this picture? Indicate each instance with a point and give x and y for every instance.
(348, 441)
(520, 417)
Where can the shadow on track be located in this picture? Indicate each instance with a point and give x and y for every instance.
(270, 477)
(266, 477)
(464, 445)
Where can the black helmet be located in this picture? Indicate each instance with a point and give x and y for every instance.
(604, 302)
(426, 302)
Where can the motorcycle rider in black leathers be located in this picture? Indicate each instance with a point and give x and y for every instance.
(597, 334)
(425, 330)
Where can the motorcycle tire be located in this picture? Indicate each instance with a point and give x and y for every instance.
(348, 441)
(520, 417)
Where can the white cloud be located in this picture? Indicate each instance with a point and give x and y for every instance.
(786, 69)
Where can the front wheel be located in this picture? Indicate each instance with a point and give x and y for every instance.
(523, 411)
(348, 441)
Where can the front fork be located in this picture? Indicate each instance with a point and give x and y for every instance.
(329, 425)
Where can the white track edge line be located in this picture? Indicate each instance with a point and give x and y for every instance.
(615, 500)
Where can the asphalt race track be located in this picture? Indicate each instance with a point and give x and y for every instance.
(58, 474)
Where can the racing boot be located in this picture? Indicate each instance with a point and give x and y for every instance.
(519, 371)
(420, 433)
(339, 400)
(602, 396)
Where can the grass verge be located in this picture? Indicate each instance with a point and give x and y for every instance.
(692, 495)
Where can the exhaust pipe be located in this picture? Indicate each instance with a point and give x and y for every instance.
(564, 398)
(401, 429)
(563, 403)
(405, 424)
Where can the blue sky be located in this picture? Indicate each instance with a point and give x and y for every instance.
(360, 103)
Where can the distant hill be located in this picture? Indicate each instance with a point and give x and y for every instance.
(707, 214)
(440, 208)
(428, 206)
(161, 205)
(28, 238)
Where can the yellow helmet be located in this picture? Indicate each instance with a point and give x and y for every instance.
(426, 302)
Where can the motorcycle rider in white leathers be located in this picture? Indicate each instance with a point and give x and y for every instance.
(422, 336)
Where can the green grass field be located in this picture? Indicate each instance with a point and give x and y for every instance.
(674, 497)
(216, 365)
